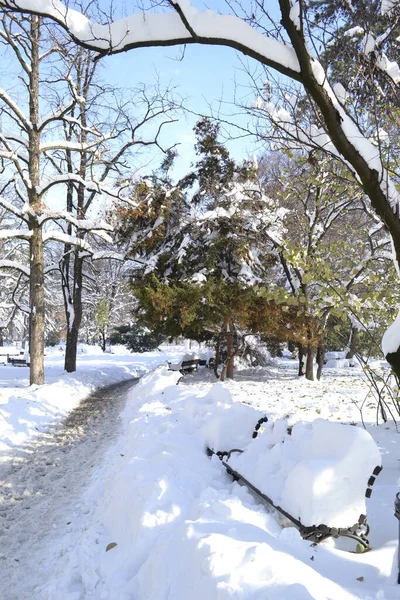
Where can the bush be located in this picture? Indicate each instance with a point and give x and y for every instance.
(136, 338)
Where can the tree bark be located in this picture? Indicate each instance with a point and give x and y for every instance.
(36, 259)
(74, 321)
(217, 354)
(37, 321)
(310, 363)
(320, 358)
(353, 342)
(230, 359)
(302, 360)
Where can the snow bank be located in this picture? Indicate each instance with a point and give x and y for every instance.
(176, 366)
(318, 474)
(179, 526)
(27, 410)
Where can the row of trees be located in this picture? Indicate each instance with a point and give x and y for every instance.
(344, 59)
(66, 140)
(286, 249)
(341, 58)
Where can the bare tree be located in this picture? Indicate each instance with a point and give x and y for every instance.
(28, 143)
(105, 113)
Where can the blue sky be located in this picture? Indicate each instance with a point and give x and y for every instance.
(204, 76)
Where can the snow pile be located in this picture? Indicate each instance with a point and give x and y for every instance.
(340, 363)
(23, 414)
(161, 520)
(225, 424)
(176, 366)
(27, 410)
(318, 473)
(338, 360)
(391, 338)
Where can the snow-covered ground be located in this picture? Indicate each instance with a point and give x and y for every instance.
(151, 517)
(27, 410)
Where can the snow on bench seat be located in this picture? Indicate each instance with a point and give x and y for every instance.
(318, 473)
(187, 363)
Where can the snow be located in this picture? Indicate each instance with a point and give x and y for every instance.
(14, 233)
(369, 44)
(340, 93)
(12, 264)
(355, 31)
(389, 67)
(180, 527)
(27, 410)
(294, 14)
(388, 5)
(144, 27)
(318, 473)
(391, 337)
(67, 239)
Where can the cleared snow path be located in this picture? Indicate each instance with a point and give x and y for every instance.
(41, 483)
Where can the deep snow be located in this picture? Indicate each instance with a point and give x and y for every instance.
(182, 528)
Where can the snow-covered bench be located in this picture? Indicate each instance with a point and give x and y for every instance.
(6, 352)
(317, 475)
(187, 364)
(20, 361)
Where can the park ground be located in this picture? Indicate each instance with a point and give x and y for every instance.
(116, 499)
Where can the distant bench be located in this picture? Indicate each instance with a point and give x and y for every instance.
(188, 366)
(20, 362)
(191, 364)
(8, 352)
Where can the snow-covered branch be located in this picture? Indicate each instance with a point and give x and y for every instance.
(57, 115)
(72, 240)
(22, 119)
(84, 224)
(73, 146)
(12, 264)
(92, 186)
(12, 208)
(8, 234)
(185, 25)
(109, 254)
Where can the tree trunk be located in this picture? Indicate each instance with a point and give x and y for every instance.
(71, 349)
(216, 359)
(302, 360)
(36, 289)
(36, 286)
(310, 363)
(320, 358)
(352, 342)
(230, 359)
(74, 320)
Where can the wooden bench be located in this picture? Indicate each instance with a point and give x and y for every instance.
(188, 366)
(6, 352)
(20, 362)
(344, 443)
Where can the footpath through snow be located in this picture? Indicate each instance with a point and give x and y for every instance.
(51, 437)
(161, 521)
(43, 481)
(26, 410)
